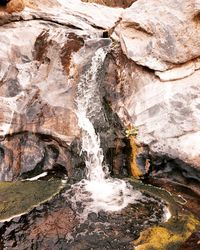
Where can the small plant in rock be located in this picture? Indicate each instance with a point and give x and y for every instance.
(131, 130)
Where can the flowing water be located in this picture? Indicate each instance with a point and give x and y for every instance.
(99, 191)
(99, 212)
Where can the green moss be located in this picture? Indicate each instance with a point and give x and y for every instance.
(21, 196)
(171, 234)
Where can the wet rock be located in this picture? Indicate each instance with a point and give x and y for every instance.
(113, 141)
(193, 242)
(21, 197)
(56, 224)
(92, 216)
(185, 191)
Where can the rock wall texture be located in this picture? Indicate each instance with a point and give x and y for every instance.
(111, 3)
(151, 73)
(162, 98)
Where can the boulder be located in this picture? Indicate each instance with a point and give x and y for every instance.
(72, 13)
(160, 34)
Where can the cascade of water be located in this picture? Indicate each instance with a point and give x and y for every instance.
(88, 105)
(106, 192)
(99, 191)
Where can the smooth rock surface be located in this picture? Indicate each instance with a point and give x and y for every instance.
(160, 34)
(36, 90)
(167, 114)
(73, 13)
(38, 77)
(19, 198)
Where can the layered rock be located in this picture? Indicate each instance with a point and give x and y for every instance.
(39, 77)
(75, 14)
(161, 98)
(167, 117)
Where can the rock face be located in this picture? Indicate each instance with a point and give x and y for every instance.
(167, 117)
(28, 154)
(156, 89)
(162, 98)
(38, 84)
(30, 68)
(36, 91)
(160, 34)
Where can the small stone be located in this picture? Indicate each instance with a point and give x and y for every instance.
(92, 217)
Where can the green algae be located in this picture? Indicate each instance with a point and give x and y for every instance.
(22, 196)
(171, 234)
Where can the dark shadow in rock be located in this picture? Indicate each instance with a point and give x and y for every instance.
(192, 243)
(4, 2)
(26, 155)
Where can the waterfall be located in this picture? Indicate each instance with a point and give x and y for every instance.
(99, 191)
(88, 105)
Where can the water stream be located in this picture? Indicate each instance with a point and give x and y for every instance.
(99, 191)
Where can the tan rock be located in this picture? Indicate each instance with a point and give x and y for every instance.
(15, 6)
(39, 89)
(160, 34)
(180, 71)
(167, 114)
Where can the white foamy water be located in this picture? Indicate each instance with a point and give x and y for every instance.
(99, 191)
(86, 108)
